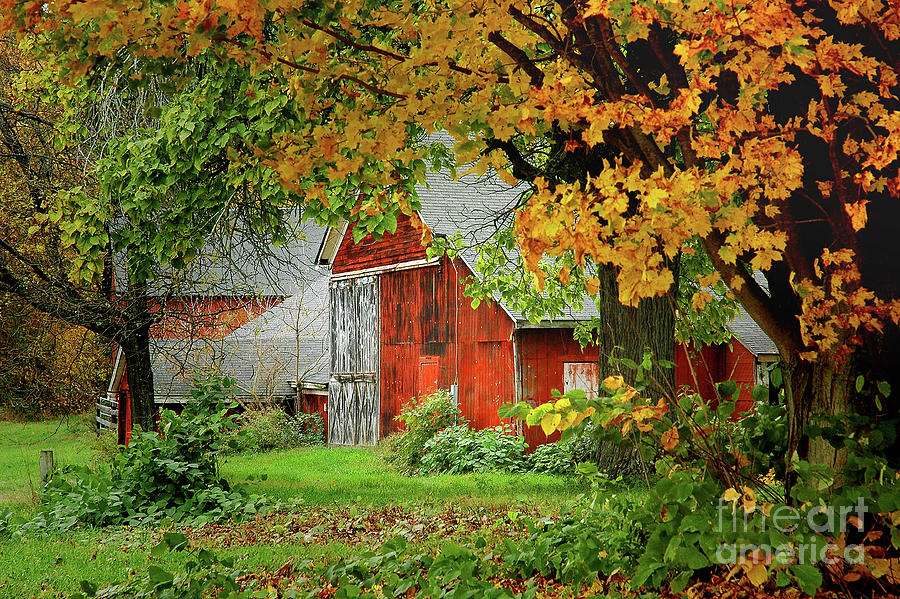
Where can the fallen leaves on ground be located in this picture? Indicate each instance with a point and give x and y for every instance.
(357, 525)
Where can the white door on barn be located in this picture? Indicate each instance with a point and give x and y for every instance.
(581, 375)
(354, 404)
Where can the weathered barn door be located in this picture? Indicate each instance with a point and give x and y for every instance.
(581, 375)
(353, 398)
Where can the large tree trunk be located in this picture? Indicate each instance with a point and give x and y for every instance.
(136, 347)
(814, 390)
(140, 378)
(629, 333)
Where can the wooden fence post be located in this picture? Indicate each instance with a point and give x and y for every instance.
(46, 464)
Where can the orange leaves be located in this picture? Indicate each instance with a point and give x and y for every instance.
(857, 213)
(598, 220)
(614, 382)
(836, 307)
(700, 299)
(670, 439)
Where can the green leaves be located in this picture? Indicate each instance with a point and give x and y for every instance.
(171, 475)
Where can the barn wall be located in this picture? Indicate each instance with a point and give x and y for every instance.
(208, 317)
(542, 355)
(740, 366)
(431, 337)
(124, 422)
(699, 369)
(312, 402)
(404, 245)
(714, 364)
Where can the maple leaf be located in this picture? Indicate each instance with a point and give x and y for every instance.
(857, 213)
(670, 439)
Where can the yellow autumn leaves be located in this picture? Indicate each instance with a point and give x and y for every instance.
(624, 408)
(557, 416)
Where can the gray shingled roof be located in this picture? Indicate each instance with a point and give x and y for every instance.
(477, 207)
(751, 335)
(261, 355)
(240, 263)
(745, 328)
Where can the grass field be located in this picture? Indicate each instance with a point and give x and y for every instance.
(322, 476)
(20, 447)
(345, 485)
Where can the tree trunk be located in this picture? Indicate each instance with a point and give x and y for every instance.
(136, 349)
(629, 333)
(813, 390)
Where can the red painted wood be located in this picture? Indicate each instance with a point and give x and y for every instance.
(740, 366)
(426, 320)
(404, 245)
(714, 364)
(429, 375)
(208, 317)
(542, 356)
(312, 402)
(698, 370)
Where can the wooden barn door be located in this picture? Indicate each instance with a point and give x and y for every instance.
(581, 375)
(353, 397)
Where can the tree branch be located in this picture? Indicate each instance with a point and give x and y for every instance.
(781, 328)
(519, 56)
(522, 169)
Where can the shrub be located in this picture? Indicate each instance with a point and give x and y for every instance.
(553, 458)
(104, 445)
(271, 428)
(422, 419)
(458, 449)
(762, 437)
(598, 538)
(173, 474)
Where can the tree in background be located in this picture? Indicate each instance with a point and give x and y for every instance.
(47, 367)
(108, 202)
(767, 131)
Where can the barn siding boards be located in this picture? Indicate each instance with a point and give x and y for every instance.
(430, 330)
(353, 394)
(404, 245)
(543, 354)
(740, 366)
(716, 363)
(699, 368)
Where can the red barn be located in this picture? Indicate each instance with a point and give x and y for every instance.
(746, 360)
(255, 313)
(401, 326)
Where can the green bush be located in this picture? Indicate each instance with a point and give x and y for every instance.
(598, 538)
(553, 458)
(458, 449)
(265, 429)
(173, 474)
(762, 438)
(422, 419)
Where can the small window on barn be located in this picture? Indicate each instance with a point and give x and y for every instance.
(581, 375)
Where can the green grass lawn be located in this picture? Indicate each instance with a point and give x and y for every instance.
(328, 478)
(323, 476)
(20, 447)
